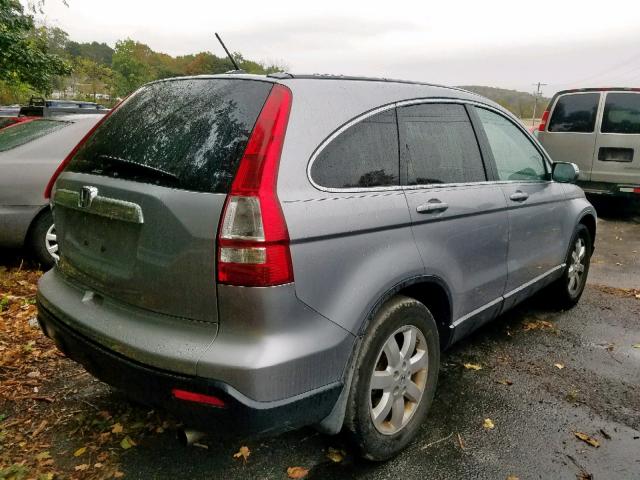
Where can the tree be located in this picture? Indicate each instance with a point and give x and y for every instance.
(24, 54)
(130, 65)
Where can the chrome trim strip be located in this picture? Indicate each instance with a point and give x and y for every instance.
(531, 282)
(417, 101)
(505, 296)
(103, 206)
(475, 312)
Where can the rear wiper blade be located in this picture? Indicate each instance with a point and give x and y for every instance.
(140, 166)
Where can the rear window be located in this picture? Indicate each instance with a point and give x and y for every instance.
(187, 134)
(25, 132)
(621, 113)
(575, 113)
(363, 156)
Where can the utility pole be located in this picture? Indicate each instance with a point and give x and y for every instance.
(537, 94)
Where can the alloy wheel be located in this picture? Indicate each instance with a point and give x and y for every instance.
(398, 380)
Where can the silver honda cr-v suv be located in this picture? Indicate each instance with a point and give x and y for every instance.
(292, 250)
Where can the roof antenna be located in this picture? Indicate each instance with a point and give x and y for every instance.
(235, 65)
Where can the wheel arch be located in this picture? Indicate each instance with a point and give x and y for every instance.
(589, 221)
(431, 291)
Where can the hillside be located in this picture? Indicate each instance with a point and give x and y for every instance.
(520, 103)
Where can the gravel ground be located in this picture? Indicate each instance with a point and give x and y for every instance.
(537, 408)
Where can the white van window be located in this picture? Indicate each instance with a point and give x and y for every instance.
(621, 113)
(575, 113)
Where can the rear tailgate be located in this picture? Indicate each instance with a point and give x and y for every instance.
(137, 208)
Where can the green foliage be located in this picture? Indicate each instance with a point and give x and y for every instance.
(24, 55)
(131, 65)
(519, 103)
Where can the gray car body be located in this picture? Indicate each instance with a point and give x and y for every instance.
(351, 250)
(25, 171)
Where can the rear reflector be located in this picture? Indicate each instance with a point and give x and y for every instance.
(197, 397)
(253, 240)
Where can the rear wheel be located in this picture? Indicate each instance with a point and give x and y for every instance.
(42, 241)
(568, 289)
(394, 380)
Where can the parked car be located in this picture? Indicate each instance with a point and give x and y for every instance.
(38, 106)
(8, 121)
(30, 151)
(268, 252)
(598, 129)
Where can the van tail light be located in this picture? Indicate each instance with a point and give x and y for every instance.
(72, 153)
(543, 121)
(253, 240)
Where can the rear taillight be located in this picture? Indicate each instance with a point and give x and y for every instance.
(195, 397)
(72, 153)
(253, 240)
(543, 121)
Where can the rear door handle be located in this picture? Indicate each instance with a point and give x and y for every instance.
(431, 206)
(519, 196)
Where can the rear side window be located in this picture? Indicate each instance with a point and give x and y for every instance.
(188, 134)
(25, 132)
(621, 113)
(438, 145)
(515, 156)
(365, 155)
(575, 113)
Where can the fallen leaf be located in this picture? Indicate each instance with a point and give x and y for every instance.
(297, 472)
(118, 474)
(43, 455)
(127, 443)
(243, 453)
(504, 382)
(559, 366)
(79, 451)
(488, 424)
(81, 468)
(472, 366)
(513, 477)
(538, 325)
(335, 455)
(587, 439)
(636, 345)
(461, 442)
(117, 428)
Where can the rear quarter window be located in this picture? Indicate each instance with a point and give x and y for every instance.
(621, 113)
(25, 132)
(575, 113)
(365, 155)
(188, 134)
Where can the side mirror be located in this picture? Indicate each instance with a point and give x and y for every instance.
(565, 172)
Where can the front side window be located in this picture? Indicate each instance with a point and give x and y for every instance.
(25, 132)
(438, 145)
(515, 156)
(621, 113)
(363, 156)
(575, 113)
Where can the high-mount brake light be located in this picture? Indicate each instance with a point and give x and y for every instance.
(543, 121)
(72, 153)
(253, 240)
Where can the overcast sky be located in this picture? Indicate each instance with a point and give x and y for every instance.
(510, 44)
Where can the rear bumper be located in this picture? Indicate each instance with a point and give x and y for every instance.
(153, 387)
(276, 362)
(611, 189)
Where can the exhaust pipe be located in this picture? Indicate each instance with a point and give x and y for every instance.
(188, 437)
